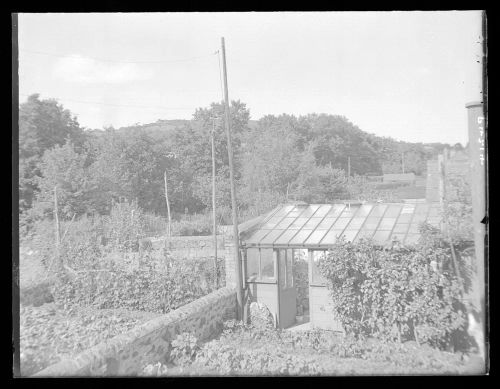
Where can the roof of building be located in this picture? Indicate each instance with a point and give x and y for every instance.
(320, 225)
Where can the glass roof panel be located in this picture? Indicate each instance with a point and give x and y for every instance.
(298, 223)
(411, 238)
(405, 217)
(309, 211)
(323, 210)
(364, 210)
(414, 228)
(355, 223)
(378, 210)
(371, 223)
(350, 234)
(401, 228)
(271, 223)
(387, 223)
(283, 211)
(381, 236)
(399, 237)
(285, 237)
(271, 237)
(255, 238)
(312, 223)
(336, 210)
(393, 210)
(364, 234)
(350, 211)
(326, 223)
(301, 236)
(331, 237)
(316, 237)
(418, 218)
(422, 209)
(341, 223)
(408, 208)
(285, 223)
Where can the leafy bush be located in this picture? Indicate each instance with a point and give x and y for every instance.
(151, 287)
(193, 225)
(247, 350)
(124, 226)
(395, 294)
(184, 348)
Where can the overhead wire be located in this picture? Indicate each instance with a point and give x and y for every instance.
(118, 61)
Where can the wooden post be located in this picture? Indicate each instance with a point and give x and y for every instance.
(216, 277)
(58, 234)
(169, 227)
(348, 168)
(236, 238)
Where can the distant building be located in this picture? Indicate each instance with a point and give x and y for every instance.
(456, 165)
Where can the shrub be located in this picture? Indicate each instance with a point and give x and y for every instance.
(394, 294)
(151, 287)
(124, 226)
(193, 225)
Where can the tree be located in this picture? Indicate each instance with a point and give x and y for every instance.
(43, 124)
(63, 167)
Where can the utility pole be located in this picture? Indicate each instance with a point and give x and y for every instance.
(216, 277)
(239, 283)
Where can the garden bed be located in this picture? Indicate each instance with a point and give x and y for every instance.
(247, 351)
(49, 334)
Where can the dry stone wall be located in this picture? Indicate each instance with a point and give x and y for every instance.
(126, 354)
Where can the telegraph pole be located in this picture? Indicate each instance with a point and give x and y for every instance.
(216, 278)
(239, 283)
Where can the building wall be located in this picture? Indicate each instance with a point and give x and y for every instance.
(128, 353)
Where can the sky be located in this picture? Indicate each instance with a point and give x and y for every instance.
(405, 75)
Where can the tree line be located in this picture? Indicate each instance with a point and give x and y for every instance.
(276, 157)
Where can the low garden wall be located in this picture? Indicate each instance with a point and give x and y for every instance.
(127, 353)
(191, 246)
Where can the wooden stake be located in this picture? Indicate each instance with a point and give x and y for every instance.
(169, 227)
(239, 283)
(58, 234)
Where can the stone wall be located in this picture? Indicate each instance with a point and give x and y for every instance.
(191, 246)
(126, 354)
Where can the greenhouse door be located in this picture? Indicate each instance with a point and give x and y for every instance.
(287, 294)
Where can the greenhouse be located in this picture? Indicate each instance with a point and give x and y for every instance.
(273, 243)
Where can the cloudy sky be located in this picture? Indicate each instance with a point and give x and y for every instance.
(406, 75)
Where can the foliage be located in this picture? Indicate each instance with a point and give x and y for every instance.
(49, 334)
(304, 157)
(43, 124)
(149, 286)
(184, 348)
(64, 168)
(124, 226)
(396, 293)
(193, 225)
(246, 350)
